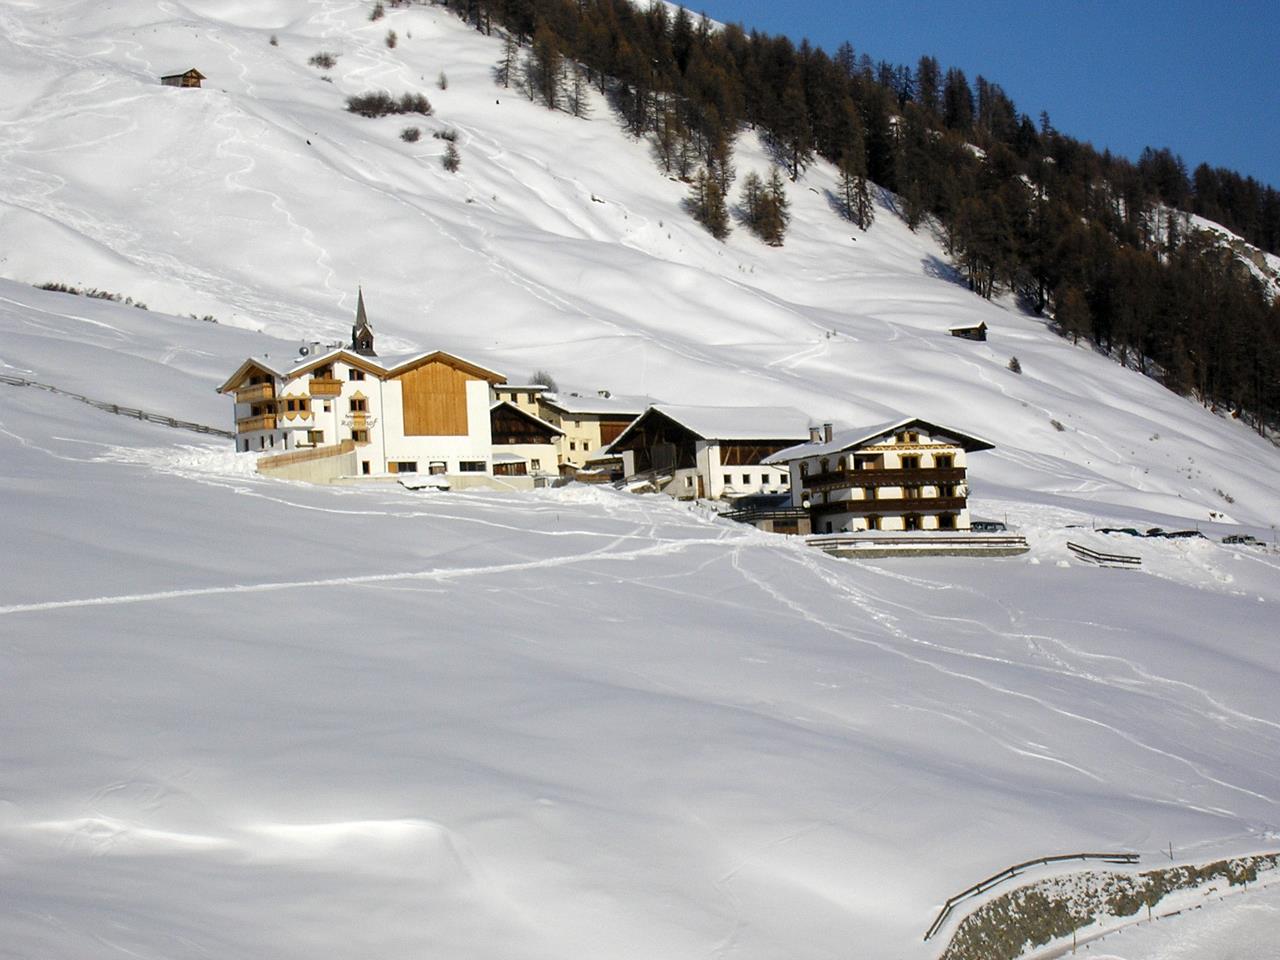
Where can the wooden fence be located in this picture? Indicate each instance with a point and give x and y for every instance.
(131, 412)
(1104, 559)
(1017, 868)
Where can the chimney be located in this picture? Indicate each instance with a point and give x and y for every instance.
(815, 434)
(826, 432)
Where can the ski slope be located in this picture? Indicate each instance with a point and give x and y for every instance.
(249, 718)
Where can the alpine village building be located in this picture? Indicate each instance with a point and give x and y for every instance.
(708, 452)
(902, 476)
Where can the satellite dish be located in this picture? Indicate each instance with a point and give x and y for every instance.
(303, 351)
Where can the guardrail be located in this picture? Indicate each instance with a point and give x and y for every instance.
(985, 885)
(131, 412)
(929, 538)
(1104, 559)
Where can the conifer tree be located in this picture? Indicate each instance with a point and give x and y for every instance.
(796, 134)
(777, 210)
(548, 70)
(707, 204)
(507, 66)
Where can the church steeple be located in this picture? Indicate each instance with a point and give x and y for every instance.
(362, 333)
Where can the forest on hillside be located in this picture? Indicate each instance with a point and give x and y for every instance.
(1101, 244)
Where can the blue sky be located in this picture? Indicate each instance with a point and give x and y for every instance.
(1202, 78)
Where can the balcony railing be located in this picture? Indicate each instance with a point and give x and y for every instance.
(249, 424)
(256, 393)
(896, 505)
(325, 388)
(853, 479)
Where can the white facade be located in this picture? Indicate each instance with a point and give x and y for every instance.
(322, 401)
(910, 475)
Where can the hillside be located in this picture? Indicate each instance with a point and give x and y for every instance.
(246, 718)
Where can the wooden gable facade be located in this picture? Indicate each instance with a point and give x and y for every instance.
(510, 425)
(658, 443)
(433, 393)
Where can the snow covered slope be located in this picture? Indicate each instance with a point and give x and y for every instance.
(259, 200)
(247, 718)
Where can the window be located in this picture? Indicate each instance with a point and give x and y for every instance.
(943, 461)
(586, 444)
(804, 469)
(911, 493)
(911, 463)
(947, 521)
(354, 374)
(947, 490)
(746, 478)
(573, 445)
(873, 523)
(825, 464)
(471, 466)
(262, 443)
(328, 406)
(688, 482)
(868, 493)
(728, 479)
(439, 468)
(535, 463)
(531, 398)
(911, 521)
(404, 466)
(315, 436)
(246, 446)
(360, 436)
(364, 467)
(359, 405)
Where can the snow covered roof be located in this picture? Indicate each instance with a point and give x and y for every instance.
(529, 387)
(740, 423)
(379, 366)
(597, 405)
(728, 423)
(981, 325)
(842, 440)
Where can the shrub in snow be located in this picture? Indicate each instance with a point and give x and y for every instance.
(380, 104)
(442, 81)
(391, 39)
(451, 160)
(377, 13)
(1014, 365)
(274, 41)
(410, 134)
(544, 378)
(448, 133)
(324, 60)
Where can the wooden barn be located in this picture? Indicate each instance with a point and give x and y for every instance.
(191, 78)
(969, 331)
(709, 452)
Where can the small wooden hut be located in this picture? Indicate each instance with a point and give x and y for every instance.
(191, 78)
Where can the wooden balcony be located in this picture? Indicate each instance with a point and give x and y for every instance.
(249, 424)
(856, 479)
(895, 506)
(256, 393)
(325, 388)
